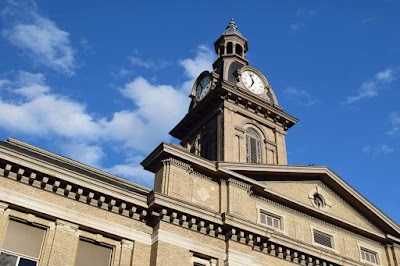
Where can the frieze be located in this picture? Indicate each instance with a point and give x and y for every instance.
(186, 167)
(72, 191)
(239, 184)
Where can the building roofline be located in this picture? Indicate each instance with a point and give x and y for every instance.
(72, 165)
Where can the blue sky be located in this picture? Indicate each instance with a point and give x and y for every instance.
(104, 83)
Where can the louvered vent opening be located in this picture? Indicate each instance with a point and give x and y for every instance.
(323, 239)
(253, 147)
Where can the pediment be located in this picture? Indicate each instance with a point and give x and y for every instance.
(305, 192)
(296, 185)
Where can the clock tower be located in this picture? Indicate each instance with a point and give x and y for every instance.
(234, 115)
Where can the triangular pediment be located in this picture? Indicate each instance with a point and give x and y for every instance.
(304, 192)
(296, 186)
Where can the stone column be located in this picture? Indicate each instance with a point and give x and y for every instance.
(396, 254)
(65, 244)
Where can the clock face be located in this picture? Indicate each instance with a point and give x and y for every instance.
(203, 87)
(253, 82)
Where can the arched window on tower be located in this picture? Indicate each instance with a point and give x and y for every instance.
(222, 50)
(253, 146)
(229, 48)
(239, 49)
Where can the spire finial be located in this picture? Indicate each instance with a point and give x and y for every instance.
(232, 28)
(232, 24)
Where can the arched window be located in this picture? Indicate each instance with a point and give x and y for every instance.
(222, 50)
(239, 49)
(253, 146)
(229, 48)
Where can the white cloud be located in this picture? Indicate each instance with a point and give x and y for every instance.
(202, 61)
(300, 96)
(41, 39)
(378, 150)
(371, 88)
(395, 123)
(37, 111)
(34, 109)
(31, 85)
(159, 108)
(194, 66)
(133, 171)
(83, 152)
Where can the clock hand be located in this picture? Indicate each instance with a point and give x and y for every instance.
(252, 80)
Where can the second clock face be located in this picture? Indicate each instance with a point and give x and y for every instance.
(203, 87)
(252, 82)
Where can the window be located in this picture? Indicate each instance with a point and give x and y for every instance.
(323, 239)
(208, 147)
(253, 146)
(229, 48)
(239, 49)
(92, 254)
(271, 220)
(369, 255)
(22, 245)
(198, 259)
(319, 201)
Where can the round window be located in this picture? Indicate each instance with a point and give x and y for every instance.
(319, 201)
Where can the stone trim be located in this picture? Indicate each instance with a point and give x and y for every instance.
(3, 208)
(194, 246)
(369, 247)
(65, 226)
(70, 215)
(187, 167)
(236, 258)
(189, 222)
(239, 184)
(178, 163)
(70, 190)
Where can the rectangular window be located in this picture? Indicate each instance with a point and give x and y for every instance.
(369, 255)
(323, 238)
(271, 220)
(92, 254)
(22, 245)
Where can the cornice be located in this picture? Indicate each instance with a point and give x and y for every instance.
(53, 164)
(242, 97)
(122, 203)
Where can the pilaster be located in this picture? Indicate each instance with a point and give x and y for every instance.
(3, 220)
(126, 253)
(65, 244)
